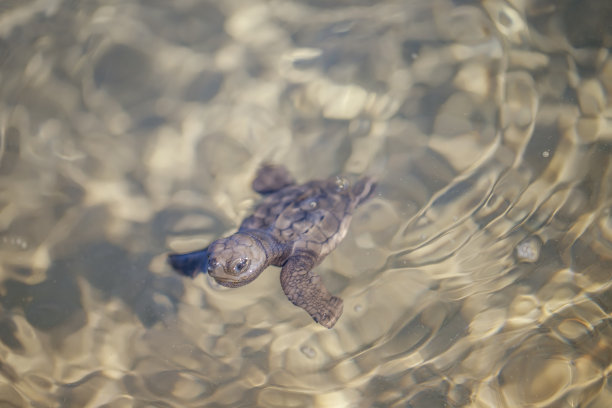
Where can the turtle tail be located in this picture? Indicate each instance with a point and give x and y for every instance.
(189, 264)
(363, 189)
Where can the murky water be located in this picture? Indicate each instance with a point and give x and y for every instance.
(479, 276)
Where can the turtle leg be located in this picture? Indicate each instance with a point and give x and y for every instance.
(363, 189)
(305, 289)
(271, 178)
(189, 264)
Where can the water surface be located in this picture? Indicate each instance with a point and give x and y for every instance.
(478, 276)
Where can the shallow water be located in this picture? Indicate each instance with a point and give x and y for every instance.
(478, 276)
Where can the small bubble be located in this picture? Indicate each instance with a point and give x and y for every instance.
(358, 308)
(313, 204)
(546, 153)
(15, 241)
(528, 250)
(308, 351)
(342, 184)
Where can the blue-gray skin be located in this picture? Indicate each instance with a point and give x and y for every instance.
(294, 227)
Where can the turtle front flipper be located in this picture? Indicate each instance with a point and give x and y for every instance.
(189, 264)
(271, 178)
(305, 289)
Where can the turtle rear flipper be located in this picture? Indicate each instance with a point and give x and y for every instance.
(271, 178)
(363, 189)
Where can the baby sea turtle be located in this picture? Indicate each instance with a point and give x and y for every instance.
(294, 227)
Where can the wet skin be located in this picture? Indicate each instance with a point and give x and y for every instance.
(294, 227)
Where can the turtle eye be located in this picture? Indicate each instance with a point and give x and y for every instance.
(212, 264)
(241, 265)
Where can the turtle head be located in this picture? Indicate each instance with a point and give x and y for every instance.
(236, 260)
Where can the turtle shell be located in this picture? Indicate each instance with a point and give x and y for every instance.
(313, 216)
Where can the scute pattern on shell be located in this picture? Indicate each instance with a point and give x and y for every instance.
(308, 213)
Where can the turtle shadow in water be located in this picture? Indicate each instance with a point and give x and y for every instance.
(56, 304)
(57, 301)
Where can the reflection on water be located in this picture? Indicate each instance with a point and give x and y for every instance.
(479, 276)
